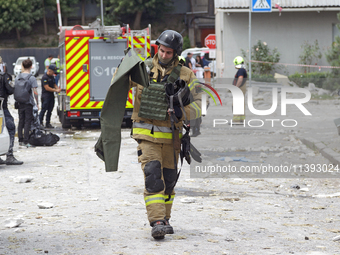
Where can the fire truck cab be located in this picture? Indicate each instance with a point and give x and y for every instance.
(89, 56)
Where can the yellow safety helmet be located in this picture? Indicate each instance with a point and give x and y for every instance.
(238, 60)
(181, 59)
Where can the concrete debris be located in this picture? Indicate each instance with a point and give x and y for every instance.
(323, 92)
(264, 148)
(23, 179)
(263, 155)
(280, 131)
(188, 200)
(302, 156)
(293, 84)
(304, 189)
(14, 222)
(45, 205)
(311, 154)
(327, 195)
(255, 90)
(227, 159)
(93, 199)
(337, 238)
(258, 98)
(311, 87)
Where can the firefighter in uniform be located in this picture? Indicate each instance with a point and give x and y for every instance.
(239, 81)
(48, 87)
(158, 143)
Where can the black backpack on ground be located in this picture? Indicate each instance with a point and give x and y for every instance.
(21, 92)
(42, 138)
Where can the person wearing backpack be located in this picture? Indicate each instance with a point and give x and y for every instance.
(48, 87)
(7, 89)
(25, 83)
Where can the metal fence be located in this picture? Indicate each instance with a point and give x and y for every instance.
(9, 56)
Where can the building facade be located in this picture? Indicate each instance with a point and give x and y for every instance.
(287, 29)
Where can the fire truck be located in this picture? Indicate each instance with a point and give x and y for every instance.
(89, 56)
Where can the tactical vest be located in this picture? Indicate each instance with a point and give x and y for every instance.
(154, 104)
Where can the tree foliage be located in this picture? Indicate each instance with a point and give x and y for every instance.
(19, 15)
(310, 53)
(127, 11)
(261, 52)
(67, 8)
(333, 53)
(332, 56)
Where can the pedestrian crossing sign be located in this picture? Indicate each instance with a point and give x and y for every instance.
(261, 6)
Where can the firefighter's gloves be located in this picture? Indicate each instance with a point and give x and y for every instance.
(177, 111)
(185, 150)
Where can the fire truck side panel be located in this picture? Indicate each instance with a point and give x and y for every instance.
(104, 60)
(88, 64)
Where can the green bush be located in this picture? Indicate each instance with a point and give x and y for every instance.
(302, 79)
(186, 43)
(261, 52)
(263, 77)
(333, 53)
(332, 82)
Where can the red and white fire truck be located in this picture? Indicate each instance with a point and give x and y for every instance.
(89, 56)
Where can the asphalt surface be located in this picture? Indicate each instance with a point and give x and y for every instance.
(94, 212)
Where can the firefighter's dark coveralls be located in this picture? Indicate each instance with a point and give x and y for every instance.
(155, 146)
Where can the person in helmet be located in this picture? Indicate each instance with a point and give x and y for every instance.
(48, 87)
(239, 81)
(158, 142)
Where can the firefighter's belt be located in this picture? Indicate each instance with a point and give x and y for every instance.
(108, 144)
(154, 104)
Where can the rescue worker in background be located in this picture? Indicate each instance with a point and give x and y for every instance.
(156, 149)
(6, 89)
(57, 64)
(47, 62)
(240, 81)
(48, 87)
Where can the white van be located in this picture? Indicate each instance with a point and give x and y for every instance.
(35, 66)
(201, 52)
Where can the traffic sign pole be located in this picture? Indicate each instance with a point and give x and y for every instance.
(256, 6)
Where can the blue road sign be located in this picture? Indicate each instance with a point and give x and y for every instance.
(261, 6)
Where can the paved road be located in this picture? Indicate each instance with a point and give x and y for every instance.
(103, 213)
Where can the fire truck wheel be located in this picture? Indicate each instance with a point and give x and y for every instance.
(59, 114)
(128, 123)
(64, 123)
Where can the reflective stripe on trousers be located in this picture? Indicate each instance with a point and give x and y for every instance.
(159, 199)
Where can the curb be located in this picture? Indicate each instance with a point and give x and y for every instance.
(316, 145)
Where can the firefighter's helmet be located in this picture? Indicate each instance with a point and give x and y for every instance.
(171, 39)
(238, 61)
